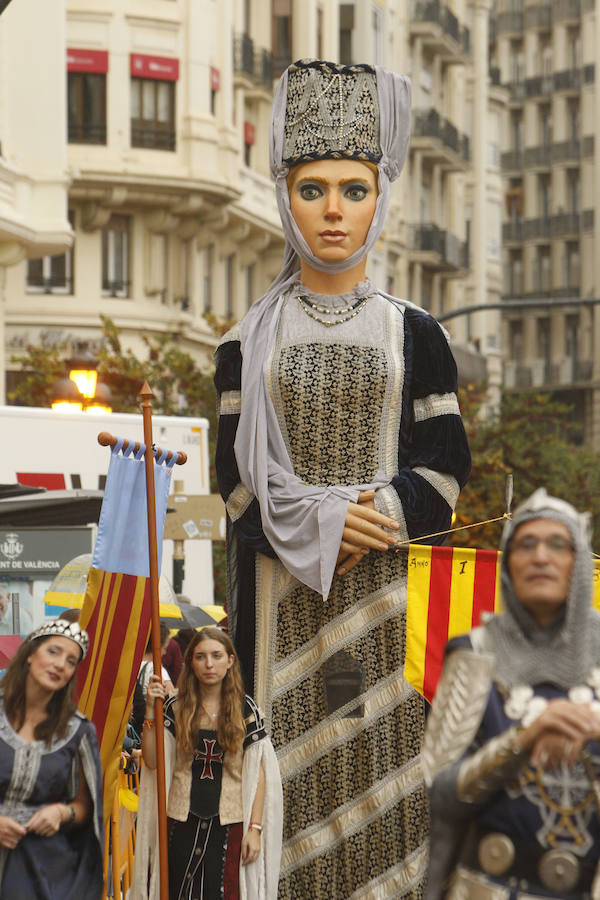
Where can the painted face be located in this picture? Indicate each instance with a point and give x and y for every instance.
(53, 663)
(211, 662)
(540, 564)
(333, 201)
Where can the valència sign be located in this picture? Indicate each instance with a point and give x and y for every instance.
(37, 551)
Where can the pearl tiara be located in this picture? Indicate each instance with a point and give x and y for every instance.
(62, 628)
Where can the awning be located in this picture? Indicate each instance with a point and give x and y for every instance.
(79, 507)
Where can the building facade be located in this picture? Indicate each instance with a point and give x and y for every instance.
(163, 131)
(545, 53)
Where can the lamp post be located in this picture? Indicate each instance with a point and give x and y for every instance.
(81, 391)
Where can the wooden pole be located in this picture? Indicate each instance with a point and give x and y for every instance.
(147, 395)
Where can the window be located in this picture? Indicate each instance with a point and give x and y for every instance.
(517, 61)
(572, 336)
(515, 340)
(573, 190)
(542, 270)
(573, 48)
(281, 35)
(571, 273)
(115, 257)
(207, 277)
(249, 285)
(86, 100)
(229, 287)
(346, 31)
(544, 196)
(152, 113)
(516, 128)
(514, 274)
(543, 339)
(573, 119)
(51, 274)
(377, 20)
(545, 124)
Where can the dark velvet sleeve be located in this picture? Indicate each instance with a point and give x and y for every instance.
(433, 452)
(242, 507)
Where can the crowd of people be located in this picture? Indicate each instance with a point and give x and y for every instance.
(299, 762)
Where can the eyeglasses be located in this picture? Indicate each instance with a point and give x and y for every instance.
(554, 542)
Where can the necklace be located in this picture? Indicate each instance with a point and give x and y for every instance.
(344, 313)
(209, 714)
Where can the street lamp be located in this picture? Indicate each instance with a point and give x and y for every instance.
(81, 390)
(65, 396)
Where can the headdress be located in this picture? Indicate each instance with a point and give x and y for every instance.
(62, 628)
(321, 110)
(563, 652)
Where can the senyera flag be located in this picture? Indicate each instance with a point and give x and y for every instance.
(116, 607)
(448, 590)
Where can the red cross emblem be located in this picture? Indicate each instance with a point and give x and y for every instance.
(209, 758)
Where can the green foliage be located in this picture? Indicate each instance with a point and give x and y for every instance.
(180, 387)
(532, 436)
(43, 367)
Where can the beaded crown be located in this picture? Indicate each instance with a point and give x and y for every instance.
(62, 628)
(332, 112)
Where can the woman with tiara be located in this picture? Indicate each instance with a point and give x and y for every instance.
(340, 439)
(51, 829)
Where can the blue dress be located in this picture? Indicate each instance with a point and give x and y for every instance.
(68, 864)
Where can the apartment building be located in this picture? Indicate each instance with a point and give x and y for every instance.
(545, 53)
(163, 127)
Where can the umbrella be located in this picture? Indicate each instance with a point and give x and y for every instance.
(9, 644)
(196, 616)
(68, 590)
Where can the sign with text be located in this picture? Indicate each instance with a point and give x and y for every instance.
(195, 517)
(79, 60)
(163, 68)
(40, 552)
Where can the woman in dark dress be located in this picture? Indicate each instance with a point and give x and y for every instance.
(224, 791)
(51, 830)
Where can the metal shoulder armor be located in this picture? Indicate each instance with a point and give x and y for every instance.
(457, 709)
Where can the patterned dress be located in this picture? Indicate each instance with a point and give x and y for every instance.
(68, 864)
(376, 393)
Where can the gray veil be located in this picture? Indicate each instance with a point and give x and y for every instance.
(303, 522)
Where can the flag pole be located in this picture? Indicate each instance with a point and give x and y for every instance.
(147, 396)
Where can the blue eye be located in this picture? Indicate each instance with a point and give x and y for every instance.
(356, 191)
(310, 191)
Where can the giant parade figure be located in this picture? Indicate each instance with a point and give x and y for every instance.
(340, 439)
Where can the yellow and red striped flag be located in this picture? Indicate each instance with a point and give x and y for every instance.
(116, 607)
(448, 590)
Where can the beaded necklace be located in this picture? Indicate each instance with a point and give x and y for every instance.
(343, 313)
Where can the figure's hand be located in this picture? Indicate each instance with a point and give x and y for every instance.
(10, 832)
(559, 733)
(250, 846)
(364, 530)
(47, 821)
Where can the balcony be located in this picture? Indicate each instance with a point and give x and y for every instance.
(566, 9)
(440, 30)
(565, 224)
(538, 157)
(589, 73)
(587, 220)
(516, 375)
(567, 151)
(568, 80)
(588, 145)
(252, 63)
(539, 86)
(542, 373)
(512, 160)
(539, 16)
(495, 76)
(516, 90)
(445, 252)
(537, 228)
(512, 232)
(509, 22)
(450, 147)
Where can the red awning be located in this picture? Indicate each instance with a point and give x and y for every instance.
(162, 68)
(87, 60)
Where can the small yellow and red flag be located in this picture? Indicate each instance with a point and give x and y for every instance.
(448, 590)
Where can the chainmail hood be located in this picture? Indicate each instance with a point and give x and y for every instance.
(565, 651)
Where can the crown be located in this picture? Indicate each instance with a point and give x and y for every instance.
(332, 112)
(62, 628)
